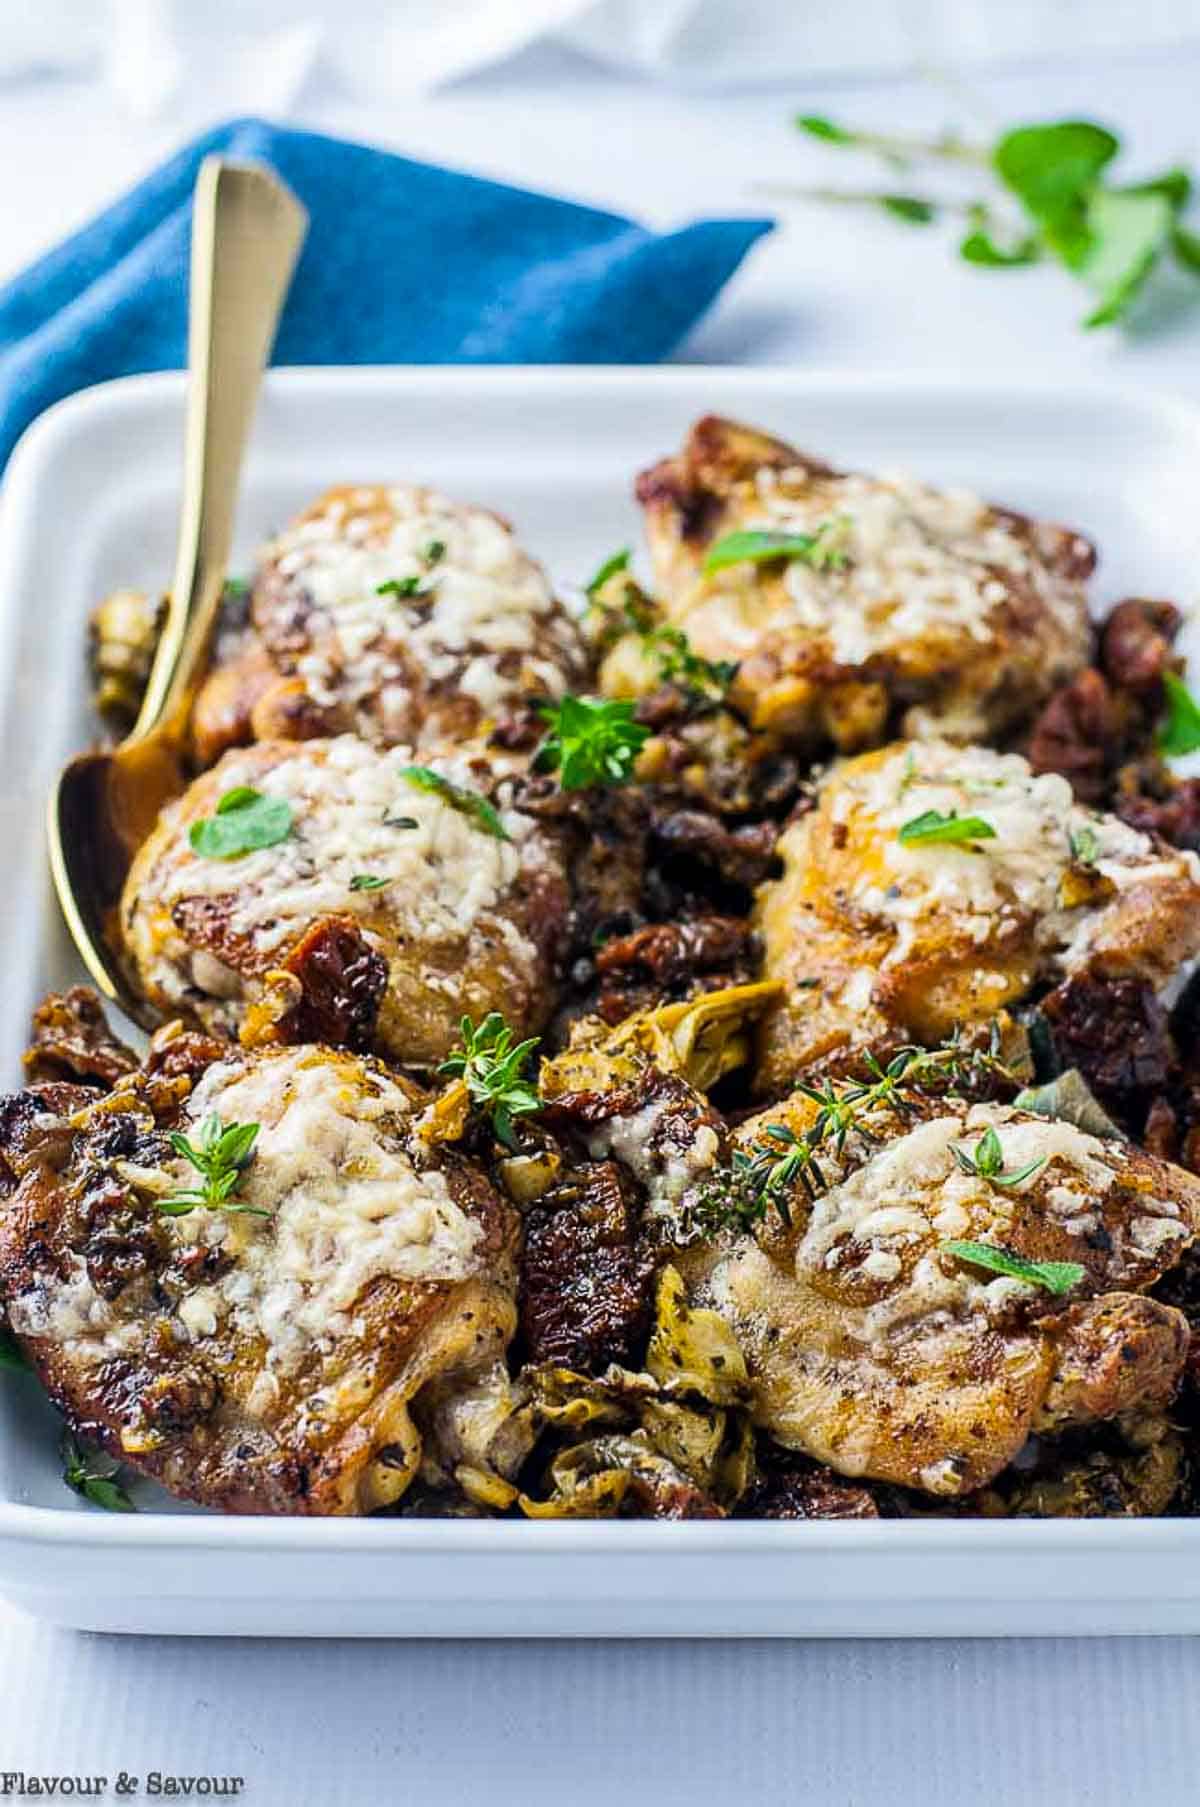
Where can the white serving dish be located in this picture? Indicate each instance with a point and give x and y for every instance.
(89, 504)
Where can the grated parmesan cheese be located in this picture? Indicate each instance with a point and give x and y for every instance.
(345, 1205)
(444, 876)
(921, 562)
(1016, 872)
(484, 621)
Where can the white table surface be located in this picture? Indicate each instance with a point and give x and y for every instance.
(1060, 1721)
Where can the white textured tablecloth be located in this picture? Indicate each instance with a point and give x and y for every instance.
(880, 1723)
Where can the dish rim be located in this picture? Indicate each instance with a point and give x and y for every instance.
(53, 1526)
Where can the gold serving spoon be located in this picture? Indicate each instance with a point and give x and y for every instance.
(247, 229)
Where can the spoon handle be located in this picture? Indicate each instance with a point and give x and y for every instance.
(247, 229)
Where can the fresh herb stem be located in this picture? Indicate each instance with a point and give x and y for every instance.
(493, 1068)
(93, 1478)
(590, 742)
(740, 1194)
(221, 1154)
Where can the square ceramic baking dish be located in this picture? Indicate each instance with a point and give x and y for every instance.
(89, 504)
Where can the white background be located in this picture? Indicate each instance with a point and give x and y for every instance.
(1062, 1721)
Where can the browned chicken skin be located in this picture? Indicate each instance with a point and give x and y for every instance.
(393, 613)
(261, 1359)
(875, 1349)
(882, 940)
(916, 602)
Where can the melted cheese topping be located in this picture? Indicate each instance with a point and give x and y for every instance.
(1017, 872)
(663, 1146)
(921, 562)
(485, 620)
(887, 1219)
(345, 1205)
(444, 875)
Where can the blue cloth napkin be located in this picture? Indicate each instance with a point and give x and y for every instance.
(404, 264)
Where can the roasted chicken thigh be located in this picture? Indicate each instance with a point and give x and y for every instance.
(933, 885)
(393, 613)
(875, 1347)
(260, 1352)
(887, 605)
(398, 899)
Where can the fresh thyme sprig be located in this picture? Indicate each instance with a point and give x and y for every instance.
(704, 680)
(492, 1066)
(590, 742)
(93, 1478)
(221, 1154)
(986, 1161)
(739, 1195)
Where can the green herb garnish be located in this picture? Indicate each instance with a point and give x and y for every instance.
(986, 1161)
(368, 881)
(11, 1353)
(736, 1196)
(245, 822)
(402, 586)
(616, 561)
(492, 1067)
(1058, 1277)
(415, 584)
(221, 1154)
(1052, 196)
(931, 825)
(1085, 846)
(477, 809)
(705, 680)
(590, 742)
(390, 821)
(93, 1477)
(823, 549)
(1180, 732)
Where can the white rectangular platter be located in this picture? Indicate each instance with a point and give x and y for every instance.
(89, 504)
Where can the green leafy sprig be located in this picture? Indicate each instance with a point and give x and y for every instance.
(590, 742)
(477, 809)
(824, 548)
(93, 1477)
(245, 821)
(986, 1161)
(1180, 731)
(616, 561)
(418, 583)
(1051, 197)
(740, 1194)
(931, 825)
(221, 1154)
(493, 1068)
(1057, 1277)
